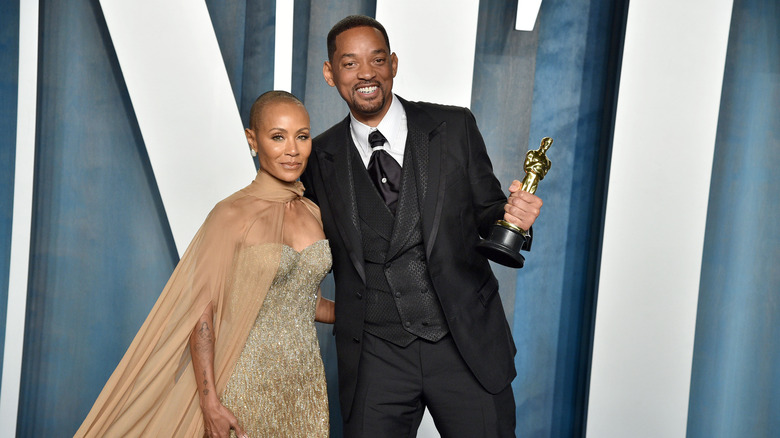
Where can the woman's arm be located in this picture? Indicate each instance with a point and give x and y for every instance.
(326, 309)
(218, 420)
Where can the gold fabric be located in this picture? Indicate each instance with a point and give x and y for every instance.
(278, 388)
(152, 392)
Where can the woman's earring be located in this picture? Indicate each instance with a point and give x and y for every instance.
(253, 152)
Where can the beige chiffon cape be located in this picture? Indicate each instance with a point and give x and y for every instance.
(153, 392)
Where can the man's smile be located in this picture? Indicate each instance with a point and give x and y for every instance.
(367, 89)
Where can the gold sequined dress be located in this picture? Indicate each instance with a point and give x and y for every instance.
(277, 388)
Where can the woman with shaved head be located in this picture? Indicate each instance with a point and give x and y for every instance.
(230, 347)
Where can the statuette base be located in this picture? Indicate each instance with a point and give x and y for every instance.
(503, 246)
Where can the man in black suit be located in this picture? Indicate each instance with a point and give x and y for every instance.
(419, 320)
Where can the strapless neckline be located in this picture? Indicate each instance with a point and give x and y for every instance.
(305, 249)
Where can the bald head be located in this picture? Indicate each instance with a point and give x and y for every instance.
(266, 99)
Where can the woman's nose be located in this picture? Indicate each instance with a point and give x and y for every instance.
(292, 148)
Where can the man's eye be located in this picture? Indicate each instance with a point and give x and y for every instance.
(380, 60)
(349, 64)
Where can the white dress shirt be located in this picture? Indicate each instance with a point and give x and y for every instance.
(393, 127)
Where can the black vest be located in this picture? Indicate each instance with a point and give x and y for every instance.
(401, 303)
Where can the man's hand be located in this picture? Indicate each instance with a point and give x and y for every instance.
(522, 208)
(218, 420)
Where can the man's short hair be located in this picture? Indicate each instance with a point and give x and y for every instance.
(267, 98)
(352, 22)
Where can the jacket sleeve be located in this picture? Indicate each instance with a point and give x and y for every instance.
(488, 197)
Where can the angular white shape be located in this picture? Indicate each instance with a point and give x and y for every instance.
(185, 107)
(283, 45)
(664, 141)
(435, 41)
(527, 11)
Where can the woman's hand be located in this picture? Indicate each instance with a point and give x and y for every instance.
(218, 420)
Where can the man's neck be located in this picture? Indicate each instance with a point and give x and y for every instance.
(373, 121)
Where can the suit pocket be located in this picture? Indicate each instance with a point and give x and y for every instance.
(488, 290)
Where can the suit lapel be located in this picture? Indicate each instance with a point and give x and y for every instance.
(336, 166)
(428, 140)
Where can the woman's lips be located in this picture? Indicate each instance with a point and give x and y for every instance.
(291, 165)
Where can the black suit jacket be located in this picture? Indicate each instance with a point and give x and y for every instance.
(463, 198)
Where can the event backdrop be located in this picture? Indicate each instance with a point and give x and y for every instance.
(102, 247)
(9, 67)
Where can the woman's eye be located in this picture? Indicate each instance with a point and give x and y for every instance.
(303, 137)
(277, 138)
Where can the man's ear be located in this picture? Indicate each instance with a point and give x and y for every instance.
(394, 63)
(327, 72)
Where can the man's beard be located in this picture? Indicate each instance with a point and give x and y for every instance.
(368, 107)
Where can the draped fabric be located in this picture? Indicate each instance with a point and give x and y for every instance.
(9, 70)
(735, 381)
(153, 391)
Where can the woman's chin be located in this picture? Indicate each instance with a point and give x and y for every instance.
(286, 175)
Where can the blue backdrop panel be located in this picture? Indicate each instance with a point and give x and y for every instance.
(101, 247)
(245, 31)
(228, 17)
(735, 382)
(301, 24)
(501, 97)
(9, 71)
(323, 102)
(573, 102)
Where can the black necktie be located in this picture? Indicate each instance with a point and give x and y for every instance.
(384, 171)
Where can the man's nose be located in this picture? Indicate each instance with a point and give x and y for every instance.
(365, 71)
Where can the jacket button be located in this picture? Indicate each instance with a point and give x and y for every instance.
(398, 294)
(387, 265)
(408, 324)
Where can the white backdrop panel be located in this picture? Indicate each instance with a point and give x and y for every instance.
(22, 216)
(435, 42)
(182, 98)
(283, 45)
(666, 121)
(527, 11)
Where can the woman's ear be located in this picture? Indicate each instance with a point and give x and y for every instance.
(250, 138)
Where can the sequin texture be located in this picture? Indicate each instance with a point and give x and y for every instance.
(277, 388)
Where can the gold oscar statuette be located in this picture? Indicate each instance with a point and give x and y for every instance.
(505, 240)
